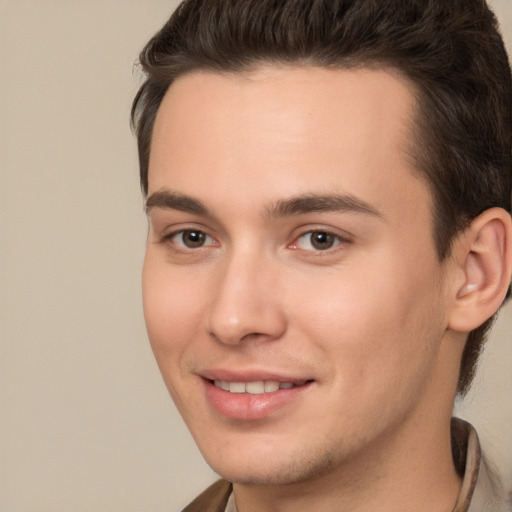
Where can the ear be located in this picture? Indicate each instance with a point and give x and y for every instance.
(482, 256)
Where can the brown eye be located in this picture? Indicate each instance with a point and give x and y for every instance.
(318, 241)
(192, 239)
(188, 240)
(321, 240)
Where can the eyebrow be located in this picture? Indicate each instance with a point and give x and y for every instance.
(299, 205)
(311, 203)
(175, 201)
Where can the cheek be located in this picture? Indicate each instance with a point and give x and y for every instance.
(171, 309)
(378, 328)
(171, 312)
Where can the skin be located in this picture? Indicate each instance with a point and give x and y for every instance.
(365, 321)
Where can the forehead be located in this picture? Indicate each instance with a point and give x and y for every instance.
(285, 130)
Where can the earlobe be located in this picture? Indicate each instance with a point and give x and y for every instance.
(483, 255)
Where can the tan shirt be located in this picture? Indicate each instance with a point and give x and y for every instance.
(480, 490)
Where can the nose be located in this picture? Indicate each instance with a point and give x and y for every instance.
(246, 305)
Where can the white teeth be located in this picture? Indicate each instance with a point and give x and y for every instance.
(271, 385)
(222, 384)
(255, 388)
(237, 387)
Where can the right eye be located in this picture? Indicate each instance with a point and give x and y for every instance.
(190, 239)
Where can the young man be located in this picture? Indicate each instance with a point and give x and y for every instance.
(328, 190)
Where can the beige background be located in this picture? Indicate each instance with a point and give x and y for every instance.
(86, 424)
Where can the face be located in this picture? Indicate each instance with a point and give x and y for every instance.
(292, 293)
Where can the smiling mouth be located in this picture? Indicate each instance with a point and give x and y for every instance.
(256, 387)
(242, 399)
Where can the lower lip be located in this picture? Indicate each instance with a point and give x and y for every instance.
(244, 406)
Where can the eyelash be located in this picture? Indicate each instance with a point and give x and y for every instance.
(333, 240)
(171, 238)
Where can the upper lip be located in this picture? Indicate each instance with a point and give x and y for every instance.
(249, 376)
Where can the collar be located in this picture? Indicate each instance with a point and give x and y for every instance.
(467, 458)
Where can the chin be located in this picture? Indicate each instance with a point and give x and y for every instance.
(276, 469)
(261, 476)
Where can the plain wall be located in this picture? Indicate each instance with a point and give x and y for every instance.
(85, 421)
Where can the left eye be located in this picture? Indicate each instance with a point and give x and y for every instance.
(191, 239)
(317, 241)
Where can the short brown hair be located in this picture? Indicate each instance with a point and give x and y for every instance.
(450, 50)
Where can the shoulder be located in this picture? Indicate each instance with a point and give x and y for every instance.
(213, 499)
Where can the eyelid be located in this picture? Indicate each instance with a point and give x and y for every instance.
(181, 244)
(342, 238)
(168, 235)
